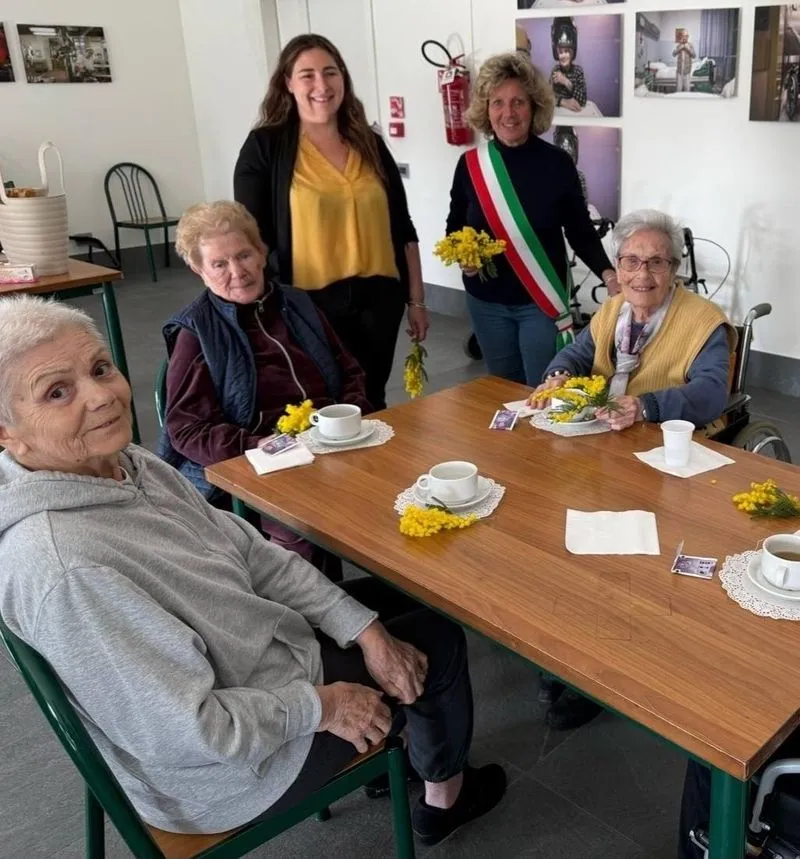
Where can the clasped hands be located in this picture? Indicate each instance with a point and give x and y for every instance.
(357, 713)
(627, 412)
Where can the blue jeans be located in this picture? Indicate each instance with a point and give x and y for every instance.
(518, 341)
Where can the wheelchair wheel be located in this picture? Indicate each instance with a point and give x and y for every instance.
(764, 438)
(472, 349)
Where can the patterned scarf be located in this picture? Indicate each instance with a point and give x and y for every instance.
(628, 354)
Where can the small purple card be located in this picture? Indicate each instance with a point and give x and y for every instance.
(504, 419)
(278, 444)
(693, 565)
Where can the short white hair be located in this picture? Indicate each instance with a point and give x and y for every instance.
(648, 219)
(27, 321)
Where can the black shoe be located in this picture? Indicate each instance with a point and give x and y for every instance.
(571, 711)
(480, 792)
(379, 786)
(549, 689)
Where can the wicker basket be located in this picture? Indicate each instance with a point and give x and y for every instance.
(33, 230)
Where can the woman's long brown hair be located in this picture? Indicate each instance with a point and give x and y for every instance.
(279, 107)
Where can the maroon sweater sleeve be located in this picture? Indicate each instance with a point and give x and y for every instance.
(353, 390)
(194, 420)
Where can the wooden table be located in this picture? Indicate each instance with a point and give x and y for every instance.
(672, 653)
(80, 279)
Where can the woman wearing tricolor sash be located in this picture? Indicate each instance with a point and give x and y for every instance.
(527, 192)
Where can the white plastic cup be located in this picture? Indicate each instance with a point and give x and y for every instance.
(677, 442)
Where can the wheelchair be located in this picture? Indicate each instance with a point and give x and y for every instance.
(774, 828)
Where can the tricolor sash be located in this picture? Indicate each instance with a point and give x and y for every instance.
(524, 252)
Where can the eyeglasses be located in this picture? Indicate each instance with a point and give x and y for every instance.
(655, 265)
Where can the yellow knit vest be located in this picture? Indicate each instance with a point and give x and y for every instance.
(666, 359)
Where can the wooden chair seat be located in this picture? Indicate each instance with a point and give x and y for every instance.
(175, 845)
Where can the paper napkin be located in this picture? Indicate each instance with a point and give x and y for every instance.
(263, 463)
(631, 532)
(701, 459)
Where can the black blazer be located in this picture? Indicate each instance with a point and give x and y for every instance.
(262, 181)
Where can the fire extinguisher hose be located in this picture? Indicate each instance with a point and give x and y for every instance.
(451, 60)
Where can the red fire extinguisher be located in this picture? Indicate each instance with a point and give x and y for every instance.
(454, 88)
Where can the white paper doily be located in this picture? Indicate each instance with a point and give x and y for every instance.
(740, 589)
(540, 421)
(381, 434)
(482, 509)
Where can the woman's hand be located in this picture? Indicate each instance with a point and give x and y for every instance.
(571, 104)
(548, 384)
(469, 271)
(418, 322)
(628, 411)
(561, 78)
(355, 713)
(610, 280)
(397, 667)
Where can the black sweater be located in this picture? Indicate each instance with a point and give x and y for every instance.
(549, 190)
(262, 182)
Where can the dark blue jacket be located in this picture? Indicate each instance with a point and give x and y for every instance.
(229, 357)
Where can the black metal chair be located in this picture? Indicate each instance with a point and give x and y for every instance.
(141, 196)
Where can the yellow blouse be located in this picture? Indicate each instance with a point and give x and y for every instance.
(340, 220)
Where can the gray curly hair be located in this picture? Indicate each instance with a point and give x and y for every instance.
(505, 67)
(648, 219)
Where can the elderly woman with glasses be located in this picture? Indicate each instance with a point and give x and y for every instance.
(665, 350)
(667, 353)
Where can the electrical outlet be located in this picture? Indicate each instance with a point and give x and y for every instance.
(404, 169)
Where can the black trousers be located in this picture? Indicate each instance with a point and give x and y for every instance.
(366, 312)
(439, 722)
(696, 802)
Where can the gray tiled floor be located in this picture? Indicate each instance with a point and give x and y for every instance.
(607, 791)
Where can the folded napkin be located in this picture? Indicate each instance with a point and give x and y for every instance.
(520, 406)
(701, 459)
(631, 532)
(263, 463)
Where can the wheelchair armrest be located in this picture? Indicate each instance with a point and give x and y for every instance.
(736, 401)
(789, 766)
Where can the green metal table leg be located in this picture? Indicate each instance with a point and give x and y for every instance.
(116, 343)
(727, 830)
(95, 828)
(401, 813)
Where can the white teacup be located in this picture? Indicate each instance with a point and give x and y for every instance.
(677, 442)
(339, 421)
(780, 561)
(450, 482)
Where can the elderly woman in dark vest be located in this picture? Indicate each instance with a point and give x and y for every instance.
(243, 350)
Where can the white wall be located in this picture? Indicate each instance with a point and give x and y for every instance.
(145, 115)
(731, 180)
(231, 49)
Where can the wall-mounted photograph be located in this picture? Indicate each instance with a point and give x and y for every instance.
(53, 54)
(597, 153)
(775, 89)
(582, 55)
(687, 54)
(562, 4)
(6, 69)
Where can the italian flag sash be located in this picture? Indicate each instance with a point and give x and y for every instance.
(524, 252)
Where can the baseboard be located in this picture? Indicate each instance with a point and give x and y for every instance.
(446, 300)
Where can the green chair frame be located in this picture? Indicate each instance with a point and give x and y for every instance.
(160, 392)
(104, 796)
(133, 180)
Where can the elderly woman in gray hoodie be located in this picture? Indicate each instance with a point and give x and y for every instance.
(212, 669)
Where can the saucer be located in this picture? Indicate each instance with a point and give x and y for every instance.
(367, 428)
(756, 577)
(484, 490)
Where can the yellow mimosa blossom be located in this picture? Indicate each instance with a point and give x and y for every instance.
(414, 375)
(470, 249)
(767, 499)
(422, 522)
(576, 394)
(297, 418)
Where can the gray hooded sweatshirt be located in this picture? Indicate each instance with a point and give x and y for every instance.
(184, 637)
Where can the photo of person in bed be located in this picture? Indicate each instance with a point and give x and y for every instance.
(567, 78)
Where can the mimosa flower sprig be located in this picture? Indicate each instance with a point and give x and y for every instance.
(422, 522)
(767, 499)
(297, 418)
(414, 375)
(470, 249)
(576, 394)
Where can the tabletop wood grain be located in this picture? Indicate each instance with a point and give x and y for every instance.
(79, 274)
(671, 652)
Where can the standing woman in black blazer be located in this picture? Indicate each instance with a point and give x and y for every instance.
(331, 207)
